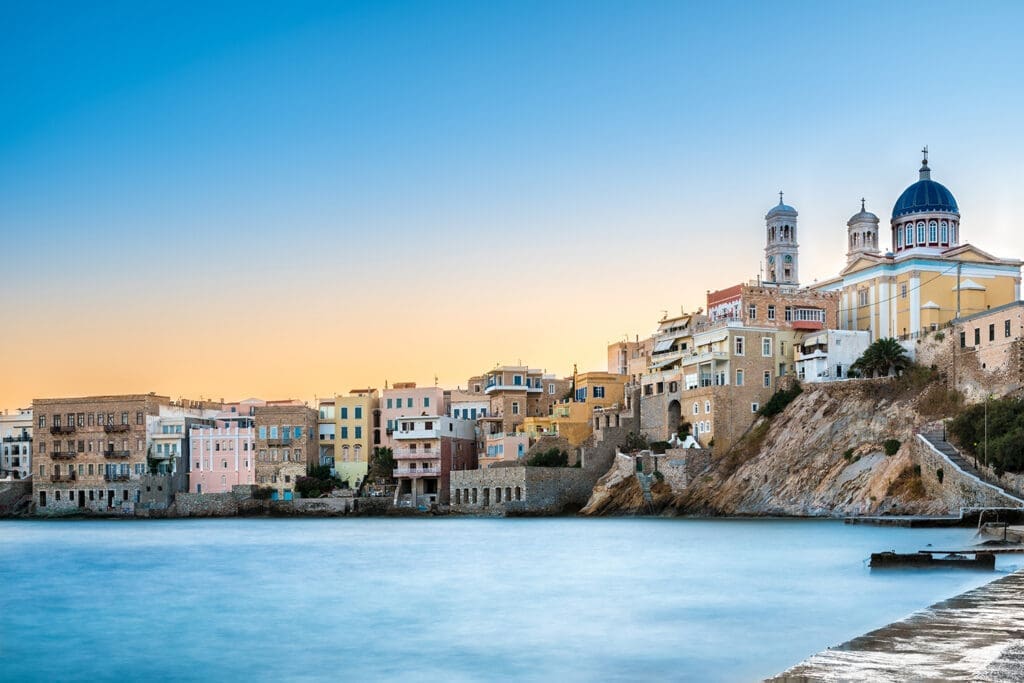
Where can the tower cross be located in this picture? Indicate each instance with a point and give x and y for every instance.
(924, 151)
(780, 197)
(862, 205)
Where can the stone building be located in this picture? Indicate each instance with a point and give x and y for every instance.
(286, 445)
(16, 451)
(516, 392)
(91, 452)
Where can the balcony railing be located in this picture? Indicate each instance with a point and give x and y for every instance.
(63, 455)
(116, 454)
(116, 428)
(70, 476)
(20, 437)
(417, 471)
(279, 441)
(116, 477)
(68, 429)
(407, 454)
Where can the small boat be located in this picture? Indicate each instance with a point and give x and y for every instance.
(926, 559)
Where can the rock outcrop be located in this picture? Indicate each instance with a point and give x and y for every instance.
(825, 455)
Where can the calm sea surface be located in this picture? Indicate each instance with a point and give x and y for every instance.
(447, 599)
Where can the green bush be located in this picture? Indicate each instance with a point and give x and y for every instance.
(553, 457)
(779, 400)
(659, 476)
(891, 446)
(1005, 433)
(634, 442)
(848, 454)
(659, 447)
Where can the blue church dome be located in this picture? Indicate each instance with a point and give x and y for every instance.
(925, 195)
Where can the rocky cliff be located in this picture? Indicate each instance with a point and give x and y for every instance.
(824, 455)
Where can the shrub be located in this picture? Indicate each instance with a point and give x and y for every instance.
(939, 336)
(660, 447)
(634, 442)
(683, 430)
(939, 474)
(553, 457)
(848, 454)
(779, 400)
(891, 446)
(659, 476)
(1005, 433)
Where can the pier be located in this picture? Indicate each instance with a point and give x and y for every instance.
(976, 636)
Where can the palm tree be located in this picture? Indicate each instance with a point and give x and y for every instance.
(883, 358)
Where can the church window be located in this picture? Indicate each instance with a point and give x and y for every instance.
(899, 238)
(952, 233)
(933, 232)
(945, 232)
(920, 232)
(910, 235)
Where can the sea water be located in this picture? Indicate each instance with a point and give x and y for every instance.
(448, 599)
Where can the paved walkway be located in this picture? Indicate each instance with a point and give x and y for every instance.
(977, 636)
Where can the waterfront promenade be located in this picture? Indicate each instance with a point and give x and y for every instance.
(976, 636)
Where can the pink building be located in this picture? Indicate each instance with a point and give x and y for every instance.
(222, 456)
(427, 449)
(405, 399)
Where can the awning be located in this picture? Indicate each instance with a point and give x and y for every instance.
(663, 345)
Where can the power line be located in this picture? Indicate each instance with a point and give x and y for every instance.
(900, 295)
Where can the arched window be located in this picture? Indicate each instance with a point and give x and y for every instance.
(933, 232)
(696, 409)
(519, 493)
(910, 235)
(952, 233)
(945, 232)
(920, 232)
(899, 239)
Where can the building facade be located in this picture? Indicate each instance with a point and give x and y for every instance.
(427, 448)
(286, 445)
(16, 451)
(222, 454)
(827, 355)
(91, 452)
(348, 432)
(405, 399)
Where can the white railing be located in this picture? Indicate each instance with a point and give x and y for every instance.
(417, 471)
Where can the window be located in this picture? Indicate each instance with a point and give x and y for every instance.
(298, 432)
(903, 290)
(771, 312)
(359, 412)
(344, 432)
(408, 402)
(752, 311)
(696, 408)
(933, 231)
(739, 346)
(766, 346)
(1006, 328)
(389, 403)
(754, 407)
(263, 432)
(273, 432)
(124, 418)
(977, 336)
(789, 313)
(963, 339)
(359, 432)
(739, 378)
(344, 412)
(517, 380)
(139, 419)
(551, 388)
(426, 402)
(920, 232)
(707, 407)
(910, 235)
(899, 238)
(42, 422)
(992, 332)
(515, 407)
(767, 378)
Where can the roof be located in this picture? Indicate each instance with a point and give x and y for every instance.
(925, 196)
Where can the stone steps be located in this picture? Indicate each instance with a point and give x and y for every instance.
(949, 451)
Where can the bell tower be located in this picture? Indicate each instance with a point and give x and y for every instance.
(861, 234)
(781, 249)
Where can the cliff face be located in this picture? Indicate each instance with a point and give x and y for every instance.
(823, 456)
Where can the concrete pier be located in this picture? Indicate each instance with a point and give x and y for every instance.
(977, 636)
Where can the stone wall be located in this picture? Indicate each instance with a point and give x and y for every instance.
(521, 490)
(957, 489)
(11, 494)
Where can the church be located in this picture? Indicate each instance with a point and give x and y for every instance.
(929, 278)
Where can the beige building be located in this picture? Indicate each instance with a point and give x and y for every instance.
(516, 392)
(348, 432)
(286, 445)
(91, 452)
(573, 418)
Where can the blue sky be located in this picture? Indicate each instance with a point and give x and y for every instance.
(367, 151)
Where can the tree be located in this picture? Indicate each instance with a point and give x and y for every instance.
(382, 464)
(884, 357)
(552, 457)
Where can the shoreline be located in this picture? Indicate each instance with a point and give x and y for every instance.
(975, 636)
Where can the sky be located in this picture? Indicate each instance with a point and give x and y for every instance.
(231, 199)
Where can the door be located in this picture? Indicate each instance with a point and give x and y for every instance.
(273, 495)
(81, 499)
(288, 495)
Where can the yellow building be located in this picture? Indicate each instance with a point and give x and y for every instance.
(928, 279)
(573, 419)
(347, 433)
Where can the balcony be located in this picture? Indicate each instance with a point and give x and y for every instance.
(417, 471)
(116, 476)
(57, 478)
(69, 429)
(418, 434)
(63, 455)
(410, 454)
(116, 455)
(21, 437)
(497, 386)
(110, 429)
(279, 441)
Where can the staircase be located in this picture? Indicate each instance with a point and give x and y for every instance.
(936, 438)
(645, 487)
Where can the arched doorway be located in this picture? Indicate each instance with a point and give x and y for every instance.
(673, 419)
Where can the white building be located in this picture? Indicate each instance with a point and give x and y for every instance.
(16, 453)
(426, 449)
(827, 355)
